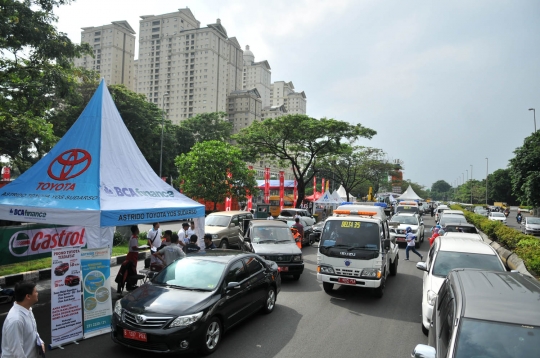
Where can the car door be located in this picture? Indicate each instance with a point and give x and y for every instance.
(257, 281)
(236, 301)
(446, 311)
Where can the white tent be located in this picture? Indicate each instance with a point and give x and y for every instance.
(328, 199)
(336, 196)
(343, 194)
(409, 194)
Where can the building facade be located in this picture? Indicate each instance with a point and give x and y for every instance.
(114, 52)
(245, 107)
(283, 93)
(186, 69)
(257, 75)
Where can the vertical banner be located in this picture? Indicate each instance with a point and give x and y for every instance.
(322, 186)
(314, 187)
(295, 191)
(249, 197)
(267, 185)
(327, 185)
(281, 189)
(6, 173)
(66, 310)
(228, 199)
(96, 269)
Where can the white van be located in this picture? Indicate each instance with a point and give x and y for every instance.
(355, 250)
(408, 207)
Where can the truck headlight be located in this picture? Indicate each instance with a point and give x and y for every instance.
(297, 258)
(431, 297)
(371, 273)
(325, 269)
(118, 308)
(214, 236)
(184, 321)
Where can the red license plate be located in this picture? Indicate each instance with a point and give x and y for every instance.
(349, 281)
(283, 269)
(137, 336)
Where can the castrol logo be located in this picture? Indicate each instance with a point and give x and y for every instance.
(39, 241)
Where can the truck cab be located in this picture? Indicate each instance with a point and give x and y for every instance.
(355, 250)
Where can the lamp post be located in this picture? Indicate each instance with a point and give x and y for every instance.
(471, 184)
(534, 116)
(487, 171)
(162, 122)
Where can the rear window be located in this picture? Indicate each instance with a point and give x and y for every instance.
(448, 260)
(407, 209)
(457, 228)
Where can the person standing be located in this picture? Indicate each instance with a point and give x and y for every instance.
(20, 338)
(185, 234)
(154, 236)
(192, 246)
(410, 238)
(431, 210)
(133, 254)
(298, 227)
(170, 253)
(208, 243)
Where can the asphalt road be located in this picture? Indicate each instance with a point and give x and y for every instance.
(306, 322)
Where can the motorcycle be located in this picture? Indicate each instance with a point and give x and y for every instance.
(519, 218)
(7, 295)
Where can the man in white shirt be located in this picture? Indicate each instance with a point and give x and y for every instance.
(185, 234)
(270, 217)
(172, 252)
(154, 241)
(20, 338)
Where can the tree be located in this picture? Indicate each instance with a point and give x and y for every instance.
(35, 67)
(142, 118)
(441, 186)
(208, 126)
(525, 171)
(204, 172)
(298, 141)
(500, 187)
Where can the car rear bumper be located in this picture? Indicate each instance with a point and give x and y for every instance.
(359, 281)
(290, 269)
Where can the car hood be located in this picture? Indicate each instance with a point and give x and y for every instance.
(533, 226)
(498, 218)
(285, 249)
(214, 229)
(151, 298)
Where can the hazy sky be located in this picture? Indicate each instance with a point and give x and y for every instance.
(445, 84)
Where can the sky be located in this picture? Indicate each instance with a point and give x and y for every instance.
(445, 84)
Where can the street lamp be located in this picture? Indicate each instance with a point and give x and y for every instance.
(487, 171)
(162, 122)
(471, 184)
(534, 116)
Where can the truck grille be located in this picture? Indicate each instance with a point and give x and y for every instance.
(279, 258)
(139, 320)
(347, 272)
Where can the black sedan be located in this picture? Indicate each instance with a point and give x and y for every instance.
(191, 302)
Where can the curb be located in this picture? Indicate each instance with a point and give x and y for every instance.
(45, 274)
(509, 258)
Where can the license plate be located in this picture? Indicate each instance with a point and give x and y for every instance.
(349, 281)
(137, 336)
(283, 269)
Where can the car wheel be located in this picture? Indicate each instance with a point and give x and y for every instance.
(224, 244)
(270, 302)
(379, 291)
(211, 337)
(393, 266)
(328, 287)
(424, 329)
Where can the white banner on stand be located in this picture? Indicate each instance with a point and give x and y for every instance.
(66, 307)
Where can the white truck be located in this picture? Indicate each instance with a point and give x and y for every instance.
(355, 250)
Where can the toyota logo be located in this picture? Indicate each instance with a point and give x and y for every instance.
(69, 164)
(140, 319)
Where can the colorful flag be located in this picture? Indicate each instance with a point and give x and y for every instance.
(281, 189)
(267, 185)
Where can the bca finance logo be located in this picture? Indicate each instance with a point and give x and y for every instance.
(69, 164)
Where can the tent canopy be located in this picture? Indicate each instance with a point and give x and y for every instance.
(343, 194)
(327, 198)
(409, 194)
(95, 176)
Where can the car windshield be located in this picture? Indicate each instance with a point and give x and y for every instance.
(496, 340)
(217, 220)
(533, 221)
(458, 228)
(191, 274)
(271, 234)
(353, 234)
(499, 215)
(407, 209)
(449, 260)
(409, 220)
(452, 219)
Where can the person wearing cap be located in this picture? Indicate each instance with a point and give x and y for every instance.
(208, 243)
(410, 238)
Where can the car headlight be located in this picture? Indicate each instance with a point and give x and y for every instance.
(118, 308)
(431, 297)
(371, 273)
(325, 269)
(297, 258)
(184, 321)
(214, 236)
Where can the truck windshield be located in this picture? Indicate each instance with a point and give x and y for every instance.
(351, 234)
(407, 209)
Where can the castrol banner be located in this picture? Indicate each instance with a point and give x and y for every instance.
(66, 307)
(30, 242)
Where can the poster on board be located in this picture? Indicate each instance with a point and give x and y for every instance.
(66, 310)
(96, 269)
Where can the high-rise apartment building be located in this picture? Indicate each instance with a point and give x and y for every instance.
(257, 75)
(283, 93)
(114, 52)
(245, 106)
(184, 68)
(274, 111)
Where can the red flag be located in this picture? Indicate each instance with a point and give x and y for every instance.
(295, 191)
(249, 197)
(314, 186)
(228, 201)
(322, 185)
(267, 185)
(281, 189)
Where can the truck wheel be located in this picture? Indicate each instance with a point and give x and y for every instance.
(379, 291)
(393, 266)
(328, 287)
(224, 244)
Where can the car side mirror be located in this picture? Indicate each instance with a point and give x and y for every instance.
(423, 351)
(232, 286)
(232, 225)
(151, 274)
(386, 244)
(421, 266)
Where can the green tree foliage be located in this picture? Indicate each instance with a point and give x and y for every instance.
(298, 141)
(35, 67)
(356, 167)
(441, 190)
(204, 172)
(500, 187)
(525, 171)
(208, 126)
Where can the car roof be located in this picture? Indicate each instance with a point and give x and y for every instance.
(293, 209)
(264, 222)
(380, 214)
(218, 255)
(405, 214)
(373, 219)
(463, 234)
(490, 295)
(468, 245)
(229, 213)
(453, 212)
(460, 224)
